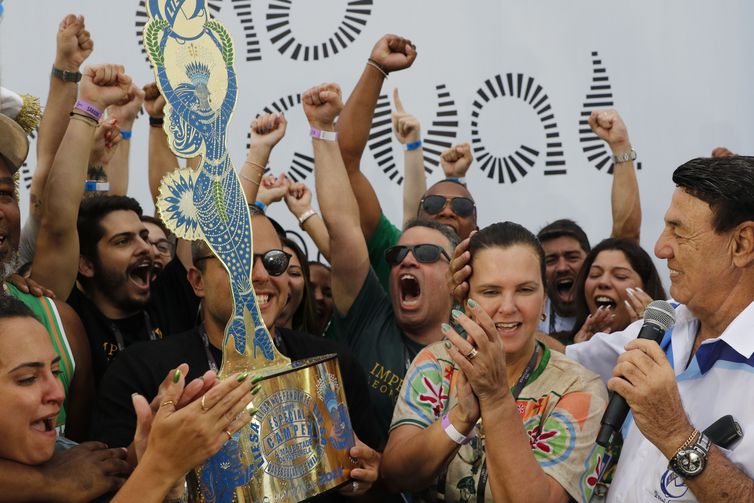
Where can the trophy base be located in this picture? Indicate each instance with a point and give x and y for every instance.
(296, 447)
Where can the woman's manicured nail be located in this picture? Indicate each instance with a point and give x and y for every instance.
(630, 291)
(256, 379)
(256, 389)
(445, 327)
(456, 313)
(253, 411)
(472, 303)
(176, 376)
(242, 377)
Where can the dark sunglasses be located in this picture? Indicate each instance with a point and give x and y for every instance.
(275, 262)
(424, 253)
(461, 206)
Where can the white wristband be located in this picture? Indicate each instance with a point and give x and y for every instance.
(323, 135)
(306, 216)
(451, 431)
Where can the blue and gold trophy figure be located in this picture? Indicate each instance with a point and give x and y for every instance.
(297, 445)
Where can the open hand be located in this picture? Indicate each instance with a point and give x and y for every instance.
(598, 322)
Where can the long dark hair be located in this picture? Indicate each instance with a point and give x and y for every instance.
(305, 316)
(640, 262)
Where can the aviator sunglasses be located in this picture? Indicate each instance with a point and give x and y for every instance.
(461, 206)
(275, 261)
(424, 253)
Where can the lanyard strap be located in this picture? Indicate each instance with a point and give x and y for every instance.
(119, 335)
(515, 391)
(210, 359)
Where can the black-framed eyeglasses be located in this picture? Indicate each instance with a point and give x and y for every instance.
(425, 253)
(163, 246)
(461, 206)
(275, 261)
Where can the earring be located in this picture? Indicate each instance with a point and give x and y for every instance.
(543, 317)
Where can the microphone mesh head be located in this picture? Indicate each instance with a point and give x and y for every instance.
(660, 313)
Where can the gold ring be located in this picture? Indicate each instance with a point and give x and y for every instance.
(230, 436)
(204, 407)
(167, 402)
(472, 354)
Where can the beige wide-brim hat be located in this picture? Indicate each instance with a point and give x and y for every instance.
(14, 144)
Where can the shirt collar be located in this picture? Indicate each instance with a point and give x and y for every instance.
(738, 333)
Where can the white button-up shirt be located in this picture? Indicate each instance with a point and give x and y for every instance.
(718, 381)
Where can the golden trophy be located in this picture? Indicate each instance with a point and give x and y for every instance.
(298, 442)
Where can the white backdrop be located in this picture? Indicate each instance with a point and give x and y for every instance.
(679, 71)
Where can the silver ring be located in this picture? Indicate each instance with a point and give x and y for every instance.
(355, 485)
(472, 354)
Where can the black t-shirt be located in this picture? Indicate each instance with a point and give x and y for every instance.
(142, 367)
(172, 309)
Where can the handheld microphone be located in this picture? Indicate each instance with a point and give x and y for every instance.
(659, 316)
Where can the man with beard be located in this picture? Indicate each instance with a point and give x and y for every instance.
(142, 367)
(384, 331)
(116, 298)
(565, 242)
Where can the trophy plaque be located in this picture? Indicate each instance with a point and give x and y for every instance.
(297, 444)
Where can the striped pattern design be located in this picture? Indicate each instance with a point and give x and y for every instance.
(279, 28)
(600, 96)
(514, 166)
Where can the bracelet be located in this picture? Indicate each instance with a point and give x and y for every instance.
(89, 109)
(323, 135)
(156, 121)
(95, 186)
(624, 157)
(687, 443)
(379, 67)
(413, 146)
(306, 216)
(451, 431)
(255, 164)
(126, 134)
(457, 179)
(83, 118)
(248, 179)
(259, 204)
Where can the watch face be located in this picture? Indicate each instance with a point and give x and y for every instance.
(690, 462)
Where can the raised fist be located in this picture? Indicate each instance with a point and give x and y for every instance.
(322, 104)
(298, 199)
(608, 125)
(721, 152)
(267, 130)
(73, 44)
(406, 127)
(393, 53)
(272, 190)
(154, 102)
(106, 140)
(105, 85)
(456, 160)
(126, 113)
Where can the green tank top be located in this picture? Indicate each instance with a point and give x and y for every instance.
(46, 312)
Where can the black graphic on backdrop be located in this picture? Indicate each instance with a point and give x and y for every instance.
(282, 37)
(514, 166)
(600, 96)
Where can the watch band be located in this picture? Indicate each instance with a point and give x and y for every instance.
(65, 75)
(624, 157)
(455, 435)
(323, 135)
(691, 459)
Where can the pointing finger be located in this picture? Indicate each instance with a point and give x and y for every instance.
(397, 101)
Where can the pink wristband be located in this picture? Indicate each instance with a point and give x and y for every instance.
(323, 135)
(89, 109)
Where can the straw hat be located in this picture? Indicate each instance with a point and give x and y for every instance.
(19, 115)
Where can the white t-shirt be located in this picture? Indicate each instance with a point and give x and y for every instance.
(553, 322)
